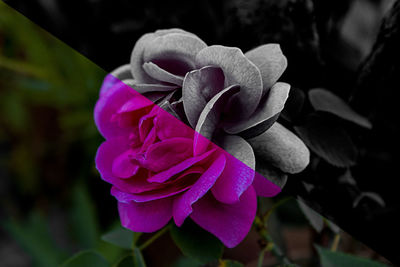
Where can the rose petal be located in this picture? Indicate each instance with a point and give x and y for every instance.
(165, 175)
(229, 222)
(167, 126)
(265, 176)
(237, 70)
(264, 187)
(265, 114)
(239, 171)
(159, 74)
(123, 166)
(145, 217)
(180, 184)
(143, 88)
(106, 154)
(108, 105)
(281, 148)
(198, 88)
(209, 118)
(163, 155)
(270, 61)
(182, 206)
(174, 52)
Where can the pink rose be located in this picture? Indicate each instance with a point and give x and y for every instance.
(162, 169)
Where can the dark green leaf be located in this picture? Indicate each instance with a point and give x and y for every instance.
(325, 137)
(138, 258)
(196, 243)
(34, 237)
(120, 237)
(338, 259)
(324, 100)
(83, 218)
(85, 259)
(125, 262)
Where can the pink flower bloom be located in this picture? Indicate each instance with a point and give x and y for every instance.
(162, 169)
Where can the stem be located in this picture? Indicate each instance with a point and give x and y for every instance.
(261, 257)
(261, 226)
(274, 207)
(335, 242)
(154, 237)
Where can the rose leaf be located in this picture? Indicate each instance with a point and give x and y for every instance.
(194, 242)
(324, 100)
(326, 138)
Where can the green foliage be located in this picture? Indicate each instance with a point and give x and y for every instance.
(138, 258)
(121, 237)
(84, 222)
(85, 259)
(196, 243)
(338, 259)
(33, 235)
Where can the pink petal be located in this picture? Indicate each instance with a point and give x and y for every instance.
(229, 222)
(264, 187)
(145, 217)
(180, 184)
(236, 179)
(106, 154)
(163, 155)
(183, 204)
(165, 175)
(167, 126)
(123, 166)
(108, 105)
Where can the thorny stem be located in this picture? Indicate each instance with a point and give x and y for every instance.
(261, 223)
(153, 238)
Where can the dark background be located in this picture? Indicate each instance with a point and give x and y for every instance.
(330, 44)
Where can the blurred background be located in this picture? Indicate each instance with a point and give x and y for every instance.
(53, 202)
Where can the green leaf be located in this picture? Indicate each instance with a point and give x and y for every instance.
(125, 262)
(34, 237)
(86, 258)
(138, 260)
(84, 223)
(324, 100)
(186, 262)
(196, 243)
(121, 237)
(338, 259)
(326, 138)
(315, 219)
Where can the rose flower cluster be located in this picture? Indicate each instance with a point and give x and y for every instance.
(188, 129)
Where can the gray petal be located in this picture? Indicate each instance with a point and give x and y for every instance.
(158, 73)
(198, 88)
(210, 116)
(239, 148)
(282, 148)
(270, 105)
(237, 70)
(270, 61)
(123, 72)
(143, 44)
(146, 88)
